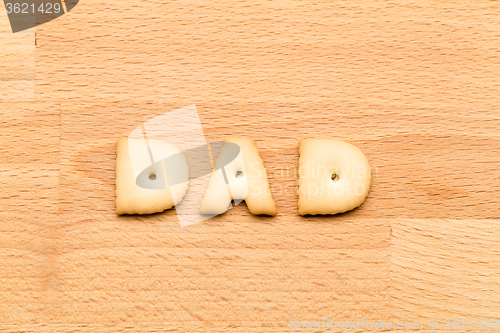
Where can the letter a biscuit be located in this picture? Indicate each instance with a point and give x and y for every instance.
(240, 178)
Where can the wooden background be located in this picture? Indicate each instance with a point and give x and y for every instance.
(413, 84)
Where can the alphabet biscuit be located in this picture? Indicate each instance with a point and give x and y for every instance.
(132, 157)
(240, 178)
(334, 176)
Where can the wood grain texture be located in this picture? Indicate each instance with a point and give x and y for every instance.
(17, 62)
(414, 85)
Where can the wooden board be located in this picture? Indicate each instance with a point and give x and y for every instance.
(414, 85)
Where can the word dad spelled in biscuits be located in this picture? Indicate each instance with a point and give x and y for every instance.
(152, 176)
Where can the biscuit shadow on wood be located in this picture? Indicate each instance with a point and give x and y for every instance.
(239, 211)
(340, 217)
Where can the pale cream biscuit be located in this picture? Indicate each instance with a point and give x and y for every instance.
(334, 176)
(240, 178)
(132, 157)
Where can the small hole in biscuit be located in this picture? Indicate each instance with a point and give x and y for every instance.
(239, 174)
(152, 176)
(335, 177)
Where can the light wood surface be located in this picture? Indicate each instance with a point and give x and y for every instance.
(414, 85)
